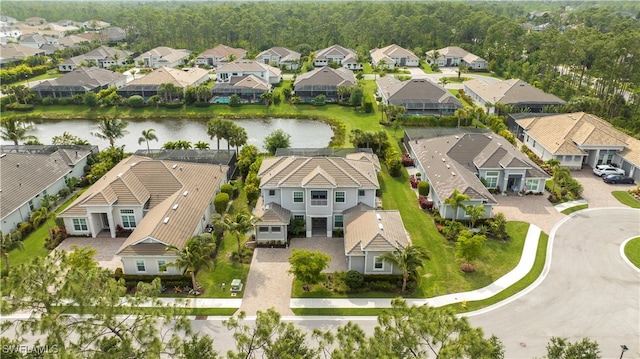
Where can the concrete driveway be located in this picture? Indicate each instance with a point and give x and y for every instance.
(586, 290)
(269, 284)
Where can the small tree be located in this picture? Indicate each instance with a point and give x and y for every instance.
(423, 188)
(307, 266)
(475, 212)
(498, 227)
(239, 224)
(196, 255)
(221, 202)
(8, 243)
(409, 260)
(235, 101)
(277, 139)
(469, 247)
(228, 189)
(455, 201)
(561, 348)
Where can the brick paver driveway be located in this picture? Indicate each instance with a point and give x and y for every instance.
(532, 209)
(269, 285)
(596, 192)
(106, 248)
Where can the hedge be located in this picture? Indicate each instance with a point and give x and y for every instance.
(430, 121)
(220, 202)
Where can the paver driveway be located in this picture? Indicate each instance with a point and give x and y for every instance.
(596, 192)
(105, 246)
(269, 284)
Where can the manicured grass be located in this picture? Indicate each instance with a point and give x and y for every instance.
(457, 79)
(224, 270)
(575, 208)
(455, 93)
(146, 310)
(632, 251)
(625, 198)
(442, 274)
(44, 76)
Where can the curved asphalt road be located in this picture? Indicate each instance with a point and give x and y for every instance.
(588, 291)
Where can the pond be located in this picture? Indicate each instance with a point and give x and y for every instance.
(304, 133)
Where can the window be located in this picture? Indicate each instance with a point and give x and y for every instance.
(263, 229)
(491, 178)
(161, 263)
(80, 224)
(318, 198)
(338, 221)
(275, 229)
(31, 205)
(531, 184)
(559, 157)
(340, 197)
(140, 265)
(272, 192)
(378, 263)
(361, 192)
(298, 217)
(128, 219)
(609, 157)
(298, 197)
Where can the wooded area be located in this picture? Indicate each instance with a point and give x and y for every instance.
(588, 54)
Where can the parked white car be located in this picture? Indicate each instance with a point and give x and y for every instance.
(603, 170)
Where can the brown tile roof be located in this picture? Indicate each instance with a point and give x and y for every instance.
(271, 213)
(165, 74)
(164, 54)
(512, 92)
(367, 229)
(223, 51)
(285, 54)
(88, 78)
(387, 52)
(326, 76)
(564, 133)
(334, 50)
(292, 171)
(164, 184)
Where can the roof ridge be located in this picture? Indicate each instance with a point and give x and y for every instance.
(291, 173)
(345, 172)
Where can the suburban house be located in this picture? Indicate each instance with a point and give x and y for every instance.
(162, 56)
(513, 92)
(248, 87)
(102, 56)
(317, 190)
(95, 25)
(323, 81)
(339, 55)
(417, 96)
(35, 21)
(79, 82)
(280, 57)
(148, 85)
(29, 173)
(394, 56)
(11, 53)
(9, 33)
(72, 41)
(219, 55)
(160, 203)
(465, 161)
(241, 68)
(453, 55)
(37, 41)
(368, 234)
(576, 139)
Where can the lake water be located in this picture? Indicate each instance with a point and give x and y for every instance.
(304, 133)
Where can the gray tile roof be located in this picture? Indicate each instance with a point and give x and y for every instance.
(271, 213)
(285, 54)
(326, 76)
(512, 92)
(223, 51)
(87, 77)
(400, 93)
(101, 53)
(335, 51)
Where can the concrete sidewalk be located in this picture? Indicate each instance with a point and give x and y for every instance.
(524, 266)
(565, 205)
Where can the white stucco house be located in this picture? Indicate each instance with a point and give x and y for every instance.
(339, 55)
(161, 203)
(394, 56)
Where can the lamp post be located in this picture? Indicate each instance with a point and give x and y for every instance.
(624, 349)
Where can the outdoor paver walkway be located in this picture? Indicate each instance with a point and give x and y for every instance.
(105, 246)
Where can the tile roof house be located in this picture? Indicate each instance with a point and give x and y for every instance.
(417, 96)
(248, 87)
(34, 21)
(241, 68)
(162, 202)
(72, 41)
(37, 41)
(280, 57)
(339, 55)
(513, 92)
(9, 33)
(148, 85)
(219, 55)
(461, 161)
(579, 138)
(11, 53)
(323, 81)
(30, 172)
(394, 56)
(79, 81)
(103, 57)
(162, 56)
(453, 56)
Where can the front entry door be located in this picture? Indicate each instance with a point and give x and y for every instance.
(319, 226)
(105, 222)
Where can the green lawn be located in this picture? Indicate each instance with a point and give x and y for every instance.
(575, 208)
(632, 251)
(455, 93)
(625, 198)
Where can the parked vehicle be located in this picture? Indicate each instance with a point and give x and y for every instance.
(603, 170)
(617, 179)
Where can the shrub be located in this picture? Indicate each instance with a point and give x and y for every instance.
(118, 273)
(368, 107)
(63, 192)
(19, 107)
(252, 192)
(423, 188)
(354, 279)
(393, 162)
(235, 101)
(382, 286)
(135, 101)
(202, 104)
(173, 105)
(221, 202)
(228, 189)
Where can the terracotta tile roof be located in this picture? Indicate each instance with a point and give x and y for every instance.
(367, 229)
(292, 171)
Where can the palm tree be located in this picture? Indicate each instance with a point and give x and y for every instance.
(455, 201)
(239, 224)
(267, 98)
(237, 137)
(560, 176)
(215, 128)
(148, 135)
(475, 212)
(8, 243)
(443, 81)
(13, 129)
(201, 145)
(410, 260)
(111, 129)
(195, 256)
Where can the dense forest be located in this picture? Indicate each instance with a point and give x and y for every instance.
(588, 54)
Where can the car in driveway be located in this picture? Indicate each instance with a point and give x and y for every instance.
(603, 170)
(612, 179)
